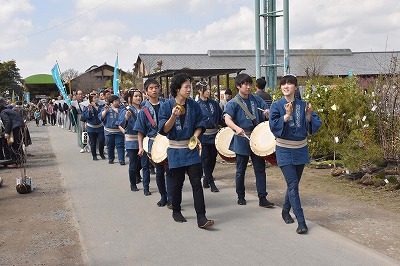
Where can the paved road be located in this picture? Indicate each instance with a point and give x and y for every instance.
(120, 227)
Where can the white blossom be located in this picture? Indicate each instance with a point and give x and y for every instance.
(334, 107)
(374, 108)
(364, 117)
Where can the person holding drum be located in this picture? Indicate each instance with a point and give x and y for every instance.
(114, 137)
(126, 122)
(146, 125)
(242, 114)
(291, 120)
(181, 120)
(212, 114)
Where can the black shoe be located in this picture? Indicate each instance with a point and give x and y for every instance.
(95, 158)
(138, 180)
(110, 162)
(287, 217)
(147, 192)
(204, 222)
(265, 203)
(302, 228)
(103, 157)
(134, 188)
(205, 183)
(213, 187)
(163, 201)
(241, 201)
(178, 217)
(122, 163)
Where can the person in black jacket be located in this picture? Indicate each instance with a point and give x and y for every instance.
(13, 133)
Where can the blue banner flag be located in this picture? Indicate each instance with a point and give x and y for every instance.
(115, 80)
(55, 72)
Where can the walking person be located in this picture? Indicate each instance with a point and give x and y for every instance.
(36, 115)
(114, 137)
(77, 109)
(291, 120)
(212, 115)
(126, 122)
(242, 115)
(147, 125)
(180, 120)
(52, 113)
(13, 134)
(94, 126)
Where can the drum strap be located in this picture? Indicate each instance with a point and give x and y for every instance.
(147, 113)
(245, 109)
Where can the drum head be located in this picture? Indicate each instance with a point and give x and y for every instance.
(222, 141)
(262, 141)
(159, 149)
(146, 144)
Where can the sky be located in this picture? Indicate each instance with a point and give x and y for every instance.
(81, 33)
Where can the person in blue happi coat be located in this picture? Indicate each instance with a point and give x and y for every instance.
(147, 126)
(126, 123)
(94, 126)
(291, 120)
(212, 115)
(242, 124)
(180, 120)
(114, 137)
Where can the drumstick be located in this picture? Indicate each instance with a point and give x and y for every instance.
(260, 109)
(246, 136)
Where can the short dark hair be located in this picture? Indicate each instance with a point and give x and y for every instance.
(201, 86)
(177, 81)
(261, 83)
(91, 97)
(113, 98)
(150, 81)
(289, 79)
(243, 78)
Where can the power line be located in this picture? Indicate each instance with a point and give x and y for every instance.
(58, 25)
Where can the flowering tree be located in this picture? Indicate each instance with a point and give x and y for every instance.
(349, 124)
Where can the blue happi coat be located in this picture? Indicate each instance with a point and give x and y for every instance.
(212, 115)
(143, 124)
(296, 128)
(241, 145)
(193, 119)
(129, 129)
(110, 121)
(93, 123)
